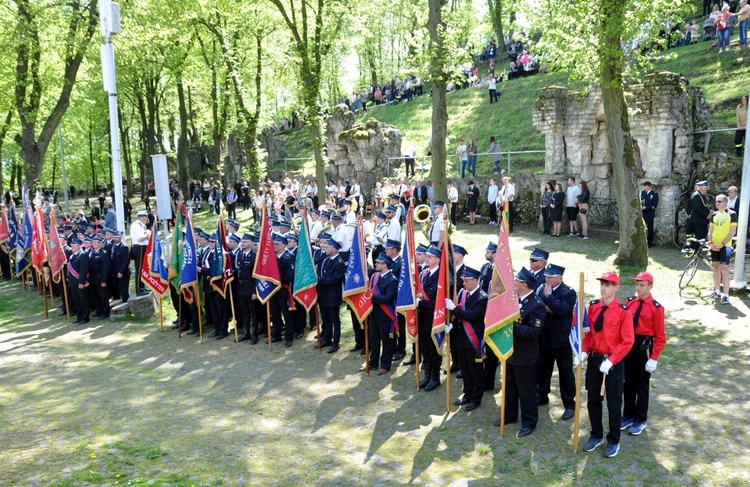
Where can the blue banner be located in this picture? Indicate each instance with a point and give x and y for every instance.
(23, 245)
(190, 256)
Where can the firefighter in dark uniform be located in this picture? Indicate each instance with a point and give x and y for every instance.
(490, 361)
(282, 301)
(107, 245)
(245, 284)
(121, 266)
(469, 310)
(521, 373)
(640, 363)
(560, 299)
(331, 271)
(605, 345)
(67, 304)
(426, 308)
(537, 263)
(232, 303)
(99, 268)
(299, 315)
(213, 298)
(458, 266)
(383, 322)
(78, 271)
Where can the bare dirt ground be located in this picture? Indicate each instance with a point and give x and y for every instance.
(113, 403)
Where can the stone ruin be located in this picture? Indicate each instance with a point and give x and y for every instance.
(664, 112)
(360, 150)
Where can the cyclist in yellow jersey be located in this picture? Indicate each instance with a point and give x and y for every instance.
(721, 231)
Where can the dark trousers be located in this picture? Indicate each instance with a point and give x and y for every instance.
(81, 301)
(279, 310)
(649, 219)
(331, 332)
(490, 368)
(430, 357)
(376, 251)
(493, 212)
(380, 335)
(219, 312)
(636, 383)
(564, 358)
(614, 392)
(102, 307)
(232, 210)
(299, 316)
(246, 319)
(114, 286)
(359, 332)
(473, 374)
(123, 285)
(401, 339)
(493, 95)
(511, 215)
(700, 230)
(5, 265)
(739, 142)
(409, 163)
(454, 212)
(546, 221)
(139, 251)
(520, 388)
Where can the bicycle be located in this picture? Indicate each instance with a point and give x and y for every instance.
(697, 251)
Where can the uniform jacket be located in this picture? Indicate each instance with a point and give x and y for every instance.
(486, 277)
(616, 336)
(120, 259)
(331, 273)
(244, 276)
(650, 322)
(387, 291)
(99, 265)
(526, 331)
(426, 305)
(561, 302)
(650, 200)
(79, 264)
(473, 313)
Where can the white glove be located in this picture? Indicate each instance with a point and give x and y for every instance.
(651, 366)
(606, 365)
(584, 356)
(450, 305)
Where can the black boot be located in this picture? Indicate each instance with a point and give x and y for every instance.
(434, 378)
(426, 379)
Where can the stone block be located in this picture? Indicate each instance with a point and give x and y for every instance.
(142, 306)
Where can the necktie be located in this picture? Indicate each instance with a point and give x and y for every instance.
(637, 315)
(463, 299)
(599, 324)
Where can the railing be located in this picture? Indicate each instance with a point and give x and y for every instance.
(603, 211)
(708, 136)
(503, 154)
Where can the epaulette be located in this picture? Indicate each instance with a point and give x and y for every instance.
(631, 298)
(595, 301)
(623, 306)
(656, 303)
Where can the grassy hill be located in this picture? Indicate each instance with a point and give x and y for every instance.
(471, 116)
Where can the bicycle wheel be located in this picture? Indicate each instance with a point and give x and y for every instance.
(689, 272)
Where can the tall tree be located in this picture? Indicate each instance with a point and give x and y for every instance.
(607, 34)
(314, 26)
(496, 19)
(439, 80)
(81, 22)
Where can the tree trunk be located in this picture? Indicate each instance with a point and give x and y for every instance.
(91, 154)
(438, 78)
(126, 157)
(3, 133)
(183, 142)
(496, 18)
(633, 248)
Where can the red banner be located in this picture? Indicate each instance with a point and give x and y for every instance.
(38, 251)
(4, 230)
(57, 257)
(439, 317)
(153, 282)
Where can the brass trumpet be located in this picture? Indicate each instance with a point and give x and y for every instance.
(423, 214)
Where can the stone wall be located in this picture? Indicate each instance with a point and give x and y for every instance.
(664, 112)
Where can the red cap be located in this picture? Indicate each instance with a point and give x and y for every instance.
(644, 276)
(609, 277)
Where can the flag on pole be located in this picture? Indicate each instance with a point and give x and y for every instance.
(266, 270)
(576, 330)
(443, 291)
(38, 248)
(221, 269)
(150, 263)
(12, 230)
(4, 230)
(406, 299)
(24, 243)
(502, 307)
(57, 257)
(356, 283)
(305, 276)
(189, 275)
(175, 265)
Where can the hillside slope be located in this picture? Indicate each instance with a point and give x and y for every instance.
(471, 115)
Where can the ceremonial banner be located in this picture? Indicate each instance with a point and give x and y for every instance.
(12, 230)
(153, 261)
(38, 249)
(443, 291)
(24, 243)
(266, 270)
(221, 269)
(189, 275)
(4, 230)
(305, 277)
(576, 330)
(175, 265)
(406, 299)
(356, 283)
(502, 307)
(57, 257)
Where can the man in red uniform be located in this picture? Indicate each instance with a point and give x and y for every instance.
(640, 363)
(606, 345)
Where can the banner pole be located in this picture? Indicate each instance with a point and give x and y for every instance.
(604, 383)
(234, 318)
(367, 345)
(504, 370)
(200, 316)
(179, 315)
(268, 322)
(448, 371)
(579, 368)
(44, 292)
(65, 293)
(161, 313)
(417, 360)
(317, 326)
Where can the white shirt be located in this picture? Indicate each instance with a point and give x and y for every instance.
(571, 195)
(437, 228)
(508, 192)
(355, 191)
(461, 152)
(138, 233)
(315, 229)
(344, 237)
(411, 152)
(350, 217)
(381, 231)
(394, 229)
(453, 195)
